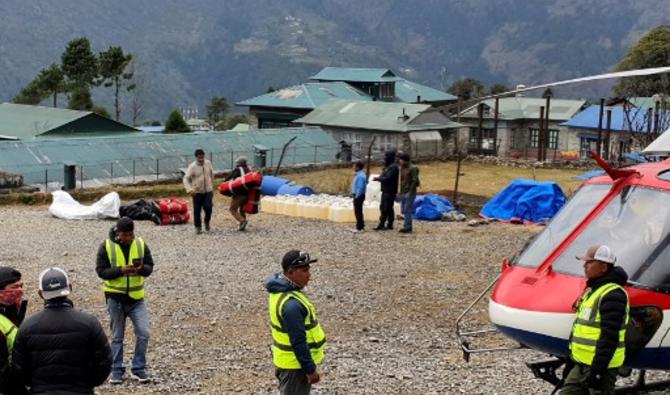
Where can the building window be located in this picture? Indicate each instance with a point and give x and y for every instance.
(488, 138)
(535, 138)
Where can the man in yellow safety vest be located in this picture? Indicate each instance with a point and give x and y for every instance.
(298, 341)
(123, 261)
(12, 312)
(597, 341)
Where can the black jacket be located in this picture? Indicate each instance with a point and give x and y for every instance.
(612, 314)
(390, 174)
(106, 272)
(61, 351)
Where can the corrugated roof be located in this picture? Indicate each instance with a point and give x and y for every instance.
(25, 121)
(511, 108)
(588, 119)
(353, 74)
(30, 158)
(393, 117)
(308, 96)
(408, 91)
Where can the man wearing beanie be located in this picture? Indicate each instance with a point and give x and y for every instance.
(123, 262)
(12, 312)
(60, 350)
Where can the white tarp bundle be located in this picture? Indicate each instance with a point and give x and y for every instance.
(64, 206)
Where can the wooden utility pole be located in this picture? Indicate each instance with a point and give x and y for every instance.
(608, 132)
(540, 135)
(546, 129)
(495, 126)
(480, 114)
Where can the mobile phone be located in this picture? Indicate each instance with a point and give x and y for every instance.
(137, 262)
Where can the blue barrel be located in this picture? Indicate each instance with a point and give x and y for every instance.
(295, 189)
(270, 185)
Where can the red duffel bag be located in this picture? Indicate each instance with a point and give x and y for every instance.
(175, 219)
(241, 185)
(251, 207)
(172, 206)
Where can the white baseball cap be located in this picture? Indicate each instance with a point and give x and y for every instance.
(599, 253)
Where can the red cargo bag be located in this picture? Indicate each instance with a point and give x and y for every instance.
(241, 185)
(251, 207)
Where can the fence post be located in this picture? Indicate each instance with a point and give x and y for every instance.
(133, 171)
(111, 173)
(272, 157)
(436, 147)
(295, 151)
(46, 180)
(316, 147)
(157, 168)
(81, 176)
(211, 157)
(232, 159)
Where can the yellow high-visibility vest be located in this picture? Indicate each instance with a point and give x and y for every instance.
(283, 356)
(129, 284)
(8, 329)
(586, 329)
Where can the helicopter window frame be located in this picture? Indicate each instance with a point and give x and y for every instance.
(635, 223)
(540, 247)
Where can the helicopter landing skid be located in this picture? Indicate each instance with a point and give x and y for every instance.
(548, 370)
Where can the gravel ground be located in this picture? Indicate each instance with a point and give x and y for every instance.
(388, 302)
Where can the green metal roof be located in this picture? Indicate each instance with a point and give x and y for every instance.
(511, 108)
(642, 102)
(354, 74)
(308, 96)
(25, 122)
(408, 91)
(392, 117)
(31, 158)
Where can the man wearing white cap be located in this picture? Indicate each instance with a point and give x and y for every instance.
(61, 350)
(597, 342)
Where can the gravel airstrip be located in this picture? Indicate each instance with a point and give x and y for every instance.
(388, 302)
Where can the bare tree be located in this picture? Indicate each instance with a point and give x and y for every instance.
(137, 97)
(645, 124)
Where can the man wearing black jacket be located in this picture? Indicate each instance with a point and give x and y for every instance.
(123, 262)
(60, 350)
(389, 185)
(597, 344)
(12, 312)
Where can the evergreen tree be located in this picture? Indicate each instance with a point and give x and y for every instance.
(653, 50)
(52, 82)
(498, 88)
(112, 66)
(80, 99)
(175, 123)
(102, 111)
(30, 94)
(467, 88)
(216, 111)
(80, 67)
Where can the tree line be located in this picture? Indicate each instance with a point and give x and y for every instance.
(78, 71)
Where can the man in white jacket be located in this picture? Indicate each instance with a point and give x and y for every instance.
(199, 181)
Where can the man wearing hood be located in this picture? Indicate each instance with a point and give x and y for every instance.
(389, 186)
(597, 342)
(123, 261)
(298, 341)
(61, 350)
(12, 312)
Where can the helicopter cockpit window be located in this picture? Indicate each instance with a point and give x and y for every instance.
(562, 224)
(636, 225)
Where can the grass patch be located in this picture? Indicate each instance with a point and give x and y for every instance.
(476, 178)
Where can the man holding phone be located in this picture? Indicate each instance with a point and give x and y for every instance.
(123, 261)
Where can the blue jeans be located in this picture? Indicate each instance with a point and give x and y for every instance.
(139, 315)
(407, 208)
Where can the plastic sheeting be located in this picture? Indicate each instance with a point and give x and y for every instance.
(525, 201)
(64, 206)
(431, 207)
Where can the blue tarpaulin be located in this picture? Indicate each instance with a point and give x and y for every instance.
(525, 201)
(430, 207)
(589, 174)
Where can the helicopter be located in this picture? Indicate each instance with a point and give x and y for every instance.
(531, 300)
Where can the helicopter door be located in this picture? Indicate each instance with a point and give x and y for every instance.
(643, 323)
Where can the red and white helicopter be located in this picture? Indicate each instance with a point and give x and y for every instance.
(627, 209)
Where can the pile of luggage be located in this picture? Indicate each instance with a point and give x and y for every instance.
(166, 211)
(248, 184)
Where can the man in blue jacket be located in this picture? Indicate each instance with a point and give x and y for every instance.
(358, 193)
(298, 341)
